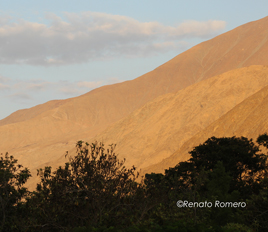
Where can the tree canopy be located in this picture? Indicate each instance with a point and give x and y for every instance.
(12, 191)
(95, 191)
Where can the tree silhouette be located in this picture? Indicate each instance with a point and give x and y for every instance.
(12, 178)
(93, 188)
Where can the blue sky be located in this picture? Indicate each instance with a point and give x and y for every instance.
(62, 48)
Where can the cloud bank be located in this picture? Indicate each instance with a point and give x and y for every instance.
(86, 36)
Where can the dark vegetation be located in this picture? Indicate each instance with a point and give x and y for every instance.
(94, 191)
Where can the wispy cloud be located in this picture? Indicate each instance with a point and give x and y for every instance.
(112, 80)
(20, 96)
(69, 90)
(89, 84)
(4, 79)
(2, 86)
(80, 87)
(192, 28)
(26, 90)
(38, 86)
(32, 85)
(78, 38)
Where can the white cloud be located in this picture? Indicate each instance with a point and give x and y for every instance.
(193, 28)
(90, 35)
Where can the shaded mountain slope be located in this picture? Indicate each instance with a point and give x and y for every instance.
(160, 127)
(248, 119)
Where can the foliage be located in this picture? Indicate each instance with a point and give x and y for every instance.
(12, 178)
(257, 213)
(225, 169)
(239, 156)
(235, 227)
(94, 191)
(94, 188)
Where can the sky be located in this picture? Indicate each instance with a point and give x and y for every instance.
(63, 48)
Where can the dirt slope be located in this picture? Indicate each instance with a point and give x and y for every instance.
(243, 46)
(248, 119)
(43, 133)
(158, 129)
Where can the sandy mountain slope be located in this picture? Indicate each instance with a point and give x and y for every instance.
(243, 46)
(43, 133)
(248, 119)
(159, 128)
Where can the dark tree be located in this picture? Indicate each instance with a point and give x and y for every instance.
(93, 189)
(12, 179)
(226, 169)
(240, 157)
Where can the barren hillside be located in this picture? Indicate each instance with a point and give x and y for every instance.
(248, 119)
(41, 135)
(158, 129)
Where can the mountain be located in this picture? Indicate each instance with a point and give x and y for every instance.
(248, 119)
(243, 46)
(160, 127)
(41, 135)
